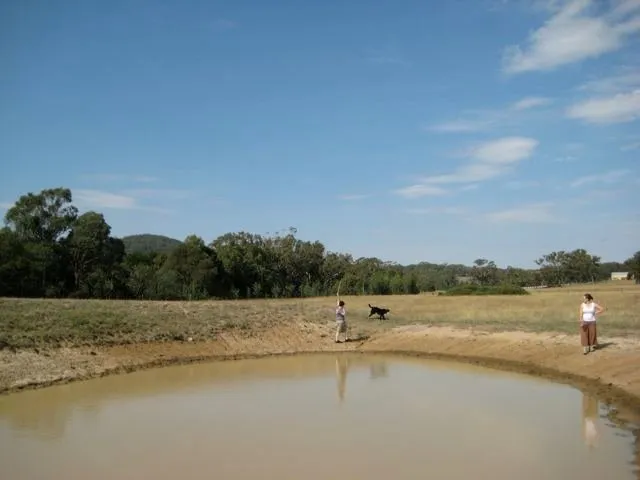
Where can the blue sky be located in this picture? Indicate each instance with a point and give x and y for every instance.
(411, 131)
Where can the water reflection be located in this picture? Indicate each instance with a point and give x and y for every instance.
(590, 409)
(192, 420)
(342, 367)
(378, 370)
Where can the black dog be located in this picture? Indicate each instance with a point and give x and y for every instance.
(381, 312)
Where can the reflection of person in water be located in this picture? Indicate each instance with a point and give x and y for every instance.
(378, 370)
(589, 419)
(342, 366)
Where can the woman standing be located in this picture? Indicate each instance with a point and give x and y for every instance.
(588, 333)
(341, 322)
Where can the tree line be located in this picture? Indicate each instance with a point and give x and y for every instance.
(48, 249)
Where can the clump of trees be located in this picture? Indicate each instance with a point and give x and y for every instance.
(49, 249)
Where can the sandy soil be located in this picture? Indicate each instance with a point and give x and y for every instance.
(611, 372)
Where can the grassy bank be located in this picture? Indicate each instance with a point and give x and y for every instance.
(28, 323)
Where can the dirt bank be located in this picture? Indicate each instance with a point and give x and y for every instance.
(612, 372)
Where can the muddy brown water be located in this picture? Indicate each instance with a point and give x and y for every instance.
(312, 417)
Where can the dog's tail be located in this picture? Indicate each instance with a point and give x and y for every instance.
(369, 305)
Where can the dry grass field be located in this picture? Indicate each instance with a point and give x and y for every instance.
(28, 323)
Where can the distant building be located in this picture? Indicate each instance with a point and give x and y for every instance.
(619, 275)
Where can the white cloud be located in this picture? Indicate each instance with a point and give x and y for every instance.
(630, 146)
(487, 160)
(531, 102)
(173, 194)
(623, 107)
(352, 197)
(114, 177)
(613, 176)
(597, 196)
(625, 79)
(533, 213)
(5, 205)
(565, 159)
(437, 211)
(420, 190)
(461, 126)
(571, 35)
(574, 146)
(507, 150)
(482, 120)
(624, 7)
(100, 199)
(521, 184)
(89, 199)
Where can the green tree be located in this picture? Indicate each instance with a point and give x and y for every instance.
(552, 268)
(42, 217)
(633, 263)
(87, 245)
(194, 267)
(485, 272)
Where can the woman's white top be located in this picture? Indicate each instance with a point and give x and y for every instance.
(589, 311)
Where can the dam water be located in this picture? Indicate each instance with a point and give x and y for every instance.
(323, 416)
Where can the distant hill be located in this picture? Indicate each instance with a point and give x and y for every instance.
(147, 242)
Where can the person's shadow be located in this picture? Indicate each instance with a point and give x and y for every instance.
(603, 345)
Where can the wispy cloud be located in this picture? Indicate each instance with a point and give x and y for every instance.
(630, 146)
(89, 199)
(611, 177)
(620, 108)
(353, 197)
(574, 146)
(462, 126)
(159, 193)
(532, 213)
(5, 205)
(420, 190)
(521, 184)
(625, 79)
(572, 34)
(597, 196)
(565, 159)
(117, 177)
(486, 161)
(531, 102)
(437, 211)
(97, 198)
(481, 120)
